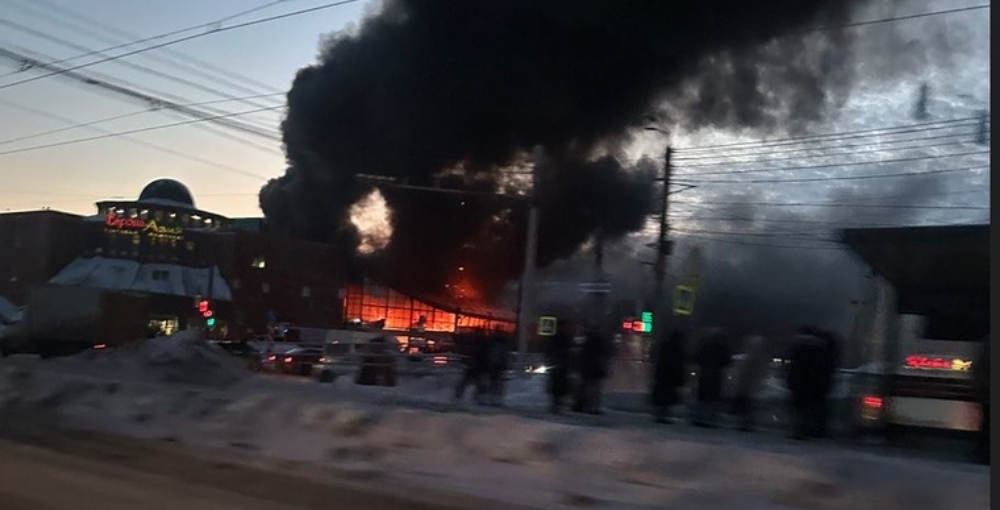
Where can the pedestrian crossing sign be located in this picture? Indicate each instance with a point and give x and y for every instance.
(684, 300)
(547, 326)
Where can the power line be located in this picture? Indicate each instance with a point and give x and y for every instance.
(835, 165)
(179, 60)
(892, 19)
(149, 99)
(784, 235)
(204, 26)
(736, 219)
(761, 245)
(143, 143)
(850, 153)
(130, 132)
(835, 135)
(844, 178)
(214, 30)
(118, 117)
(827, 204)
(796, 221)
(138, 67)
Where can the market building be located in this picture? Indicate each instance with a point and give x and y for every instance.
(164, 246)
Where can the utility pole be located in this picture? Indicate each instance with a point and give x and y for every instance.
(984, 127)
(526, 308)
(663, 249)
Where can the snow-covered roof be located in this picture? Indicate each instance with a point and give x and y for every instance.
(121, 274)
(9, 312)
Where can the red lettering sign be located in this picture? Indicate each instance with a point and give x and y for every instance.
(924, 362)
(114, 221)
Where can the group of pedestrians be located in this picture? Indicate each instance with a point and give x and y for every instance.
(812, 364)
(486, 361)
(577, 368)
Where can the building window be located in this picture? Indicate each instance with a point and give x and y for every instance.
(306, 292)
(161, 275)
(265, 288)
(259, 263)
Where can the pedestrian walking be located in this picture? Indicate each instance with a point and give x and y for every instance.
(558, 353)
(668, 375)
(499, 363)
(981, 376)
(476, 367)
(752, 373)
(713, 357)
(595, 360)
(809, 383)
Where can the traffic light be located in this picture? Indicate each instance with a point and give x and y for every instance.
(645, 325)
(206, 311)
(647, 322)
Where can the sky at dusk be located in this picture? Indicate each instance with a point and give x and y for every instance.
(72, 177)
(267, 56)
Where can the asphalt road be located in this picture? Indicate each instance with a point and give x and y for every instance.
(58, 469)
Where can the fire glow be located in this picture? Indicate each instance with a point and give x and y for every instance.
(371, 216)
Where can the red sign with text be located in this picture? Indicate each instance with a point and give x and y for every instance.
(925, 362)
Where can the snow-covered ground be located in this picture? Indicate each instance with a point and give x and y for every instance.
(184, 390)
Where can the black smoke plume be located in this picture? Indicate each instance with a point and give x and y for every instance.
(454, 93)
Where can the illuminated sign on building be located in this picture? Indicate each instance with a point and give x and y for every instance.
(125, 225)
(924, 362)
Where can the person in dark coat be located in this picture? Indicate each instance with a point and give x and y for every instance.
(829, 363)
(751, 376)
(712, 359)
(981, 380)
(476, 361)
(668, 375)
(558, 353)
(499, 362)
(809, 380)
(595, 360)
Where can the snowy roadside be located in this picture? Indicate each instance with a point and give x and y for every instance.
(160, 391)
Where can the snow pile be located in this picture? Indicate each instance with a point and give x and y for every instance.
(182, 358)
(503, 456)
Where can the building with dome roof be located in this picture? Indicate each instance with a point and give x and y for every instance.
(162, 245)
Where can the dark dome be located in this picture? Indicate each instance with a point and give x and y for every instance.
(167, 189)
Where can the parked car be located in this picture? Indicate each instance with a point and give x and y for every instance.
(297, 361)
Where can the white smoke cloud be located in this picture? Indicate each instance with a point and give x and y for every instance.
(371, 216)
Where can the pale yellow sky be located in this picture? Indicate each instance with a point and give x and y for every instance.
(72, 177)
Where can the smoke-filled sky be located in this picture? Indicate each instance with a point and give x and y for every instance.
(451, 94)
